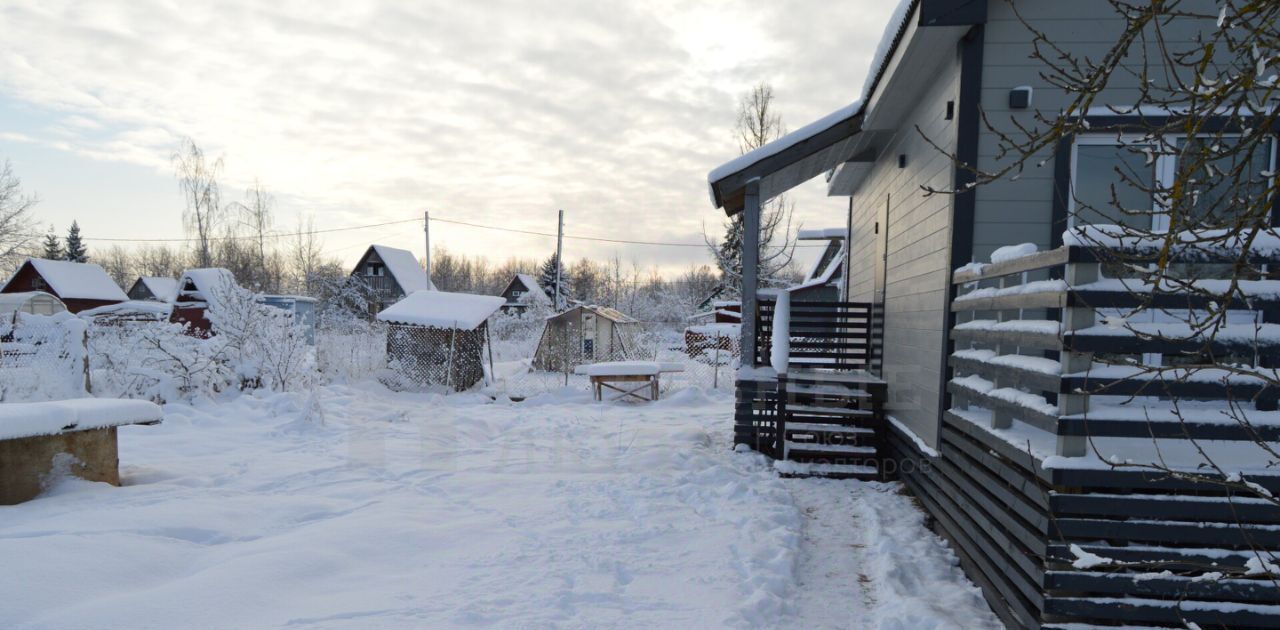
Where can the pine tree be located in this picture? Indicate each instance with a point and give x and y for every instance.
(547, 280)
(52, 246)
(76, 251)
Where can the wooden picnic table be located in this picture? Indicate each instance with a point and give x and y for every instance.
(631, 379)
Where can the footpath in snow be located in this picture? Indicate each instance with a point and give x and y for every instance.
(355, 507)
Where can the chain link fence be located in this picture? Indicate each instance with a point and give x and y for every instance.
(42, 357)
(533, 362)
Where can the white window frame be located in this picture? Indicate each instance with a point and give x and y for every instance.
(1166, 168)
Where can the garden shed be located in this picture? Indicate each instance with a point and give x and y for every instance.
(585, 334)
(437, 339)
(80, 286)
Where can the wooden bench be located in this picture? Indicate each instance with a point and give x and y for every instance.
(636, 378)
(81, 432)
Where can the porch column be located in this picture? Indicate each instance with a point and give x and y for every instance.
(750, 262)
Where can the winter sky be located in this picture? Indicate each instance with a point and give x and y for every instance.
(492, 112)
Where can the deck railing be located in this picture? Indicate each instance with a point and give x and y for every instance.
(1029, 331)
(821, 335)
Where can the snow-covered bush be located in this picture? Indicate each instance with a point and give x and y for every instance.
(262, 344)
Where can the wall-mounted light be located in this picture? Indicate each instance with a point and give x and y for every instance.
(951, 110)
(1020, 97)
(902, 160)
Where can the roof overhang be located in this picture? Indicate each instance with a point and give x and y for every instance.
(824, 145)
(844, 143)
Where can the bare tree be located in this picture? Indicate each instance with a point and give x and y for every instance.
(17, 228)
(256, 218)
(198, 181)
(305, 257)
(758, 124)
(119, 264)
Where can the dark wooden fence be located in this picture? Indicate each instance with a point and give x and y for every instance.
(1021, 510)
(823, 335)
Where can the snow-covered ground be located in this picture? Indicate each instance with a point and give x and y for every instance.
(355, 507)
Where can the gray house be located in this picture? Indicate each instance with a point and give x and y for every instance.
(966, 370)
(390, 274)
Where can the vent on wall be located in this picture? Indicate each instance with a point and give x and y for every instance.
(902, 160)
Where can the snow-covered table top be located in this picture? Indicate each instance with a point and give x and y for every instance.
(627, 368)
(22, 420)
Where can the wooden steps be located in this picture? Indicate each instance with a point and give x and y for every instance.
(831, 424)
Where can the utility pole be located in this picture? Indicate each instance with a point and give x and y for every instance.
(426, 232)
(559, 261)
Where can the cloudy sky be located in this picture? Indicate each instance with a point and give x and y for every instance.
(491, 112)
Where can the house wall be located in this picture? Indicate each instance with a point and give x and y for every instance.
(1012, 212)
(919, 237)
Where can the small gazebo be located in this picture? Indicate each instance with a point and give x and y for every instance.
(437, 339)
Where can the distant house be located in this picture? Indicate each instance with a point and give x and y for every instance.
(80, 286)
(436, 339)
(823, 282)
(154, 289)
(522, 292)
(585, 334)
(391, 274)
(198, 291)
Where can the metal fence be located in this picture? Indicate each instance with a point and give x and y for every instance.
(523, 369)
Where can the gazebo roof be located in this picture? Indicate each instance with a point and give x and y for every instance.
(441, 309)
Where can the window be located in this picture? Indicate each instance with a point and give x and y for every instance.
(1113, 179)
(589, 348)
(373, 269)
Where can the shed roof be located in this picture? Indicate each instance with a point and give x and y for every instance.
(76, 281)
(131, 307)
(611, 314)
(442, 309)
(165, 289)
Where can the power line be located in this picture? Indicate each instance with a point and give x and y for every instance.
(598, 239)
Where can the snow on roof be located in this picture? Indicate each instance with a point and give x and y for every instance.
(77, 281)
(535, 290)
(165, 289)
(404, 267)
(132, 307)
(785, 142)
(210, 283)
(888, 41)
(821, 234)
(441, 309)
(21, 420)
(818, 277)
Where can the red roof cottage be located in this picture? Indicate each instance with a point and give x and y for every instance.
(80, 286)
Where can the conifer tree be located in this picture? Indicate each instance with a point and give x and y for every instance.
(75, 250)
(547, 280)
(52, 246)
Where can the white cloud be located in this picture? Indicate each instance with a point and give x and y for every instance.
(496, 112)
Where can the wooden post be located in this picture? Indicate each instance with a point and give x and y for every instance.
(750, 263)
(448, 375)
(1075, 318)
(1001, 418)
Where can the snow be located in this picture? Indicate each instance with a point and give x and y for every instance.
(721, 329)
(627, 368)
(1038, 286)
(1043, 326)
(404, 267)
(77, 281)
(818, 234)
(780, 341)
(30, 419)
(165, 289)
(355, 507)
(1029, 363)
(1087, 560)
(1265, 242)
(929, 451)
(211, 285)
(442, 309)
(1013, 252)
(145, 307)
(783, 143)
(535, 292)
